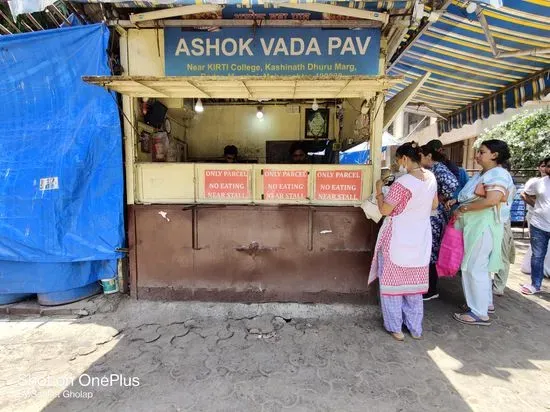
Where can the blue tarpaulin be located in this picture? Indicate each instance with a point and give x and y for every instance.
(61, 181)
(360, 154)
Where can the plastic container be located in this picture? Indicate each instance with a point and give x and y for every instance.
(69, 296)
(7, 298)
(109, 286)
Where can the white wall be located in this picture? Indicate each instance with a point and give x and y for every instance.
(477, 128)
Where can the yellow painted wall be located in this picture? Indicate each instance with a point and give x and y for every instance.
(146, 52)
(210, 131)
(220, 125)
(176, 183)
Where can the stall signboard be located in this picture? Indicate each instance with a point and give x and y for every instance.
(285, 184)
(338, 185)
(271, 52)
(226, 184)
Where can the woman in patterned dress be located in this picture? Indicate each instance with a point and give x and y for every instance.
(403, 248)
(447, 183)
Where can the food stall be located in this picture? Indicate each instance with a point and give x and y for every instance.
(250, 231)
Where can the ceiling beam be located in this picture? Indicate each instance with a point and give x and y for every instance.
(24, 23)
(344, 88)
(51, 17)
(206, 95)
(4, 29)
(127, 24)
(59, 14)
(152, 89)
(401, 99)
(34, 21)
(427, 23)
(486, 30)
(71, 6)
(174, 12)
(338, 10)
(10, 22)
(529, 52)
(423, 110)
(247, 89)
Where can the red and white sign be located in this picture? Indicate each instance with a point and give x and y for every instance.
(285, 184)
(226, 184)
(338, 184)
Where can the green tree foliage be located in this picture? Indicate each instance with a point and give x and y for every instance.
(527, 134)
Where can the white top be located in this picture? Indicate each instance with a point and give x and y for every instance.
(527, 186)
(540, 216)
(506, 208)
(411, 240)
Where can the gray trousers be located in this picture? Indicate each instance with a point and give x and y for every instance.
(508, 258)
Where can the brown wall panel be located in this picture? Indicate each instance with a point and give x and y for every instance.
(164, 245)
(254, 253)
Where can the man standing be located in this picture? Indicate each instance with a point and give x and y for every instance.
(538, 196)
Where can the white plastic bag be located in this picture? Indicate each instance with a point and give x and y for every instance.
(370, 206)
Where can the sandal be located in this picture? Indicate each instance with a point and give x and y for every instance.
(459, 317)
(529, 290)
(399, 336)
(465, 308)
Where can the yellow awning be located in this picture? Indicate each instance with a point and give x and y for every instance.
(254, 88)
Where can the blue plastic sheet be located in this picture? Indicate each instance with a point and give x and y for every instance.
(360, 154)
(61, 181)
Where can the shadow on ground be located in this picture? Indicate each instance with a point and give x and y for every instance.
(315, 359)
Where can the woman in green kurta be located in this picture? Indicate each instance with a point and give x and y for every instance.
(483, 230)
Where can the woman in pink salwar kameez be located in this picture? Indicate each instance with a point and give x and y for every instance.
(403, 248)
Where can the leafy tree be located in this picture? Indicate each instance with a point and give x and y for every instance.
(527, 135)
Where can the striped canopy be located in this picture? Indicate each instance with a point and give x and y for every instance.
(467, 81)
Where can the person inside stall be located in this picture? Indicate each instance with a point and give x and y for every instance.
(230, 153)
(298, 153)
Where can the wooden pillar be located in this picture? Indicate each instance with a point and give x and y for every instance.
(399, 125)
(129, 127)
(377, 126)
(377, 119)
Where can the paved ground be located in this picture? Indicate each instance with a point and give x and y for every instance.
(219, 357)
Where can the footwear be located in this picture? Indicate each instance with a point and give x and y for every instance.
(399, 336)
(496, 292)
(419, 337)
(476, 320)
(529, 290)
(429, 296)
(465, 308)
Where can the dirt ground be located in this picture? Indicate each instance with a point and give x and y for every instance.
(185, 356)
